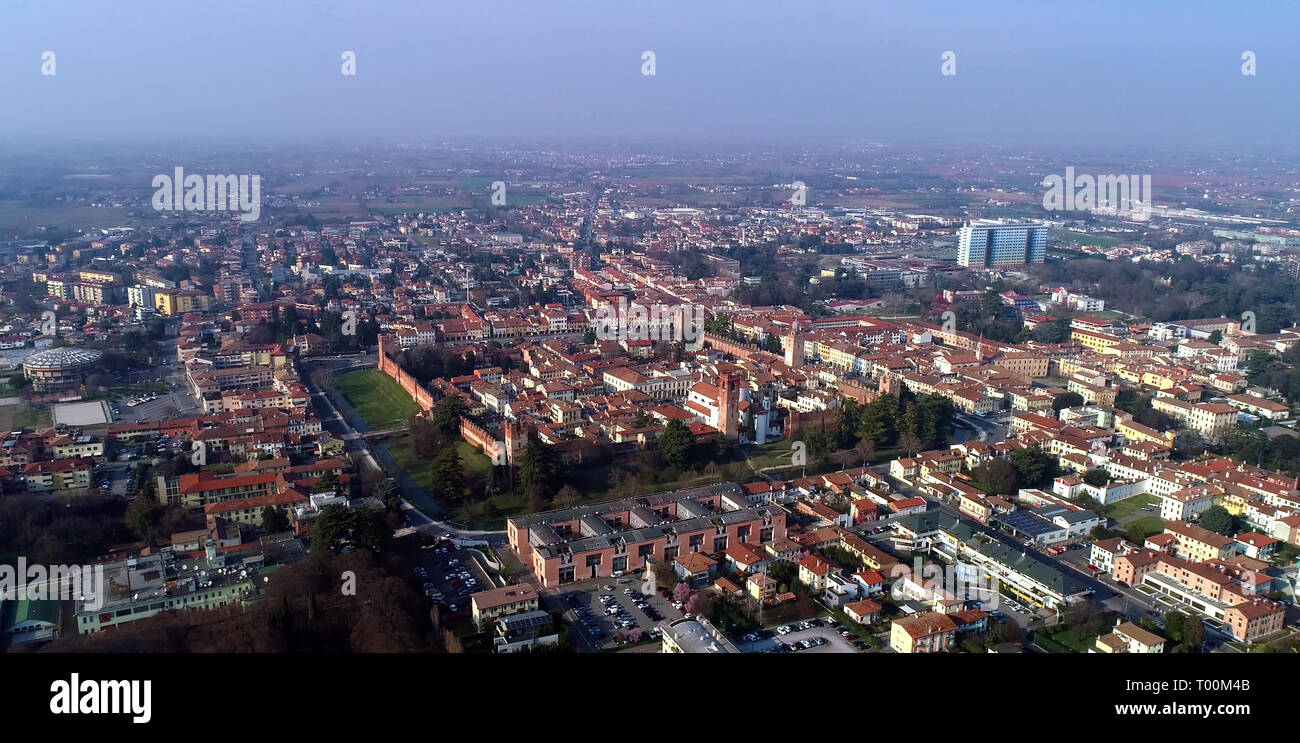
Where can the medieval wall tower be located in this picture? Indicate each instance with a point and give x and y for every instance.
(794, 348)
(729, 405)
(515, 440)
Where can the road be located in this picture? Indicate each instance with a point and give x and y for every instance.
(987, 428)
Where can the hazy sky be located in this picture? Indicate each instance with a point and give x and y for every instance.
(1097, 73)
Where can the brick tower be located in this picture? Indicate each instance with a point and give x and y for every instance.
(794, 348)
(729, 405)
(516, 440)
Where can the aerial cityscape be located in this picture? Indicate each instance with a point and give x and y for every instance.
(452, 383)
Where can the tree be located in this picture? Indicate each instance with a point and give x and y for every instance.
(1050, 332)
(328, 483)
(369, 529)
(1246, 445)
(1099, 533)
(539, 468)
(1036, 467)
(878, 420)
(702, 603)
(1153, 418)
(1194, 634)
(1132, 402)
(681, 592)
(1096, 477)
(1137, 533)
(446, 416)
(1188, 443)
(866, 450)
(331, 528)
(274, 520)
(365, 528)
(448, 475)
(425, 436)
(675, 443)
(935, 416)
(568, 497)
(1067, 400)
(142, 517)
(997, 476)
(1175, 624)
(1217, 519)
(536, 501)
(911, 443)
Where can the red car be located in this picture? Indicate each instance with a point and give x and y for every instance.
(1094, 568)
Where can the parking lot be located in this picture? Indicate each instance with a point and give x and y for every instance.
(120, 478)
(164, 406)
(822, 637)
(598, 620)
(1005, 608)
(450, 574)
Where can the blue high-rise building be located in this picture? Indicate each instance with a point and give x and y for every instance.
(990, 243)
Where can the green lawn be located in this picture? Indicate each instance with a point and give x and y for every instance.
(477, 468)
(1152, 524)
(1123, 510)
(475, 464)
(1065, 641)
(33, 416)
(378, 398)
(1071, 639)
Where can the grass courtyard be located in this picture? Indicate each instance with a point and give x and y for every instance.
(378, 399)
(1123, 511)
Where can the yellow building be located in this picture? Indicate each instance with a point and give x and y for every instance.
(1093, 393)
(930, 632)
(1030, 366)
(1095, 341)
(1211, 420)
(487, 605)
(1134, 431)
(1198, 544)
(98, 277)
(1130, 638)
(179, 301)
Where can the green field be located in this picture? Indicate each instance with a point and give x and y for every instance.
(25, 415)
(477, 468)
(1068, 237)
(1150, 524)
(1123, 510)
(378, 399)
(1066, 641)
(476, 465)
